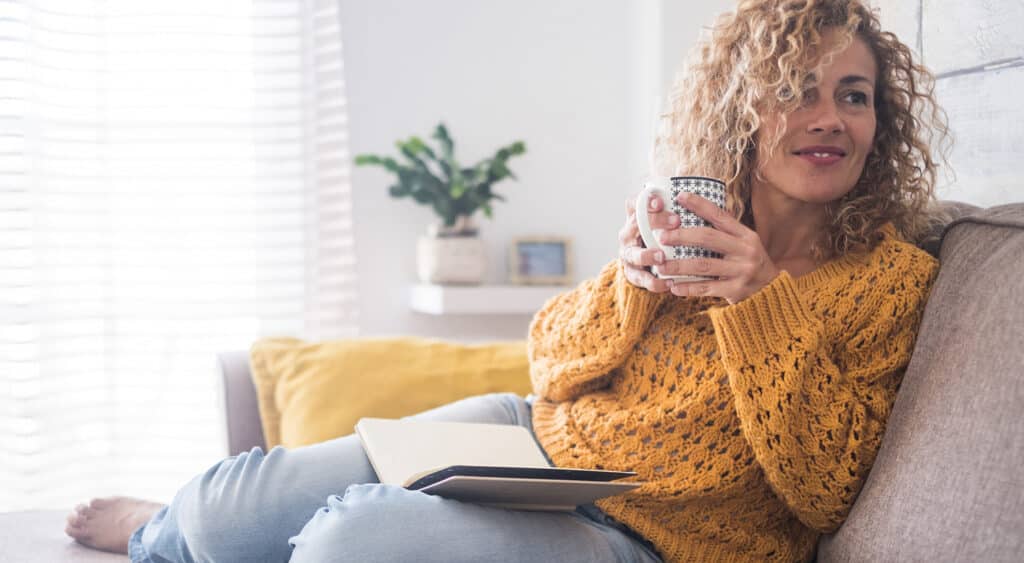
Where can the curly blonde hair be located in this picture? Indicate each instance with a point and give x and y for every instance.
(763, 58)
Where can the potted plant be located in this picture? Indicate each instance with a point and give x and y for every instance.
(451, 251)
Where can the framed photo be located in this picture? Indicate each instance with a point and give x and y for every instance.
(541, 260)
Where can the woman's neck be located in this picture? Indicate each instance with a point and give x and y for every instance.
(788, 228)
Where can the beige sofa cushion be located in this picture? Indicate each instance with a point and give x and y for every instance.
(948, 483)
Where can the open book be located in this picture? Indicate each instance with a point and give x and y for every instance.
(492, 464)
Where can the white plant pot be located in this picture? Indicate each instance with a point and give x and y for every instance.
(450, 260)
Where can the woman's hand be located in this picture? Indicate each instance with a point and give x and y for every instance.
(744, 269)
(635, 258)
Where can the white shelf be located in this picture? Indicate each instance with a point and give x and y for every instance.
(481, 299)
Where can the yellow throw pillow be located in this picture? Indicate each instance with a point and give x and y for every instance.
(311, 392)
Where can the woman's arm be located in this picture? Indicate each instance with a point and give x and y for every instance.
(814, 411)
(578, 338)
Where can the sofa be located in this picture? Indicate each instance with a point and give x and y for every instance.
(948, 483)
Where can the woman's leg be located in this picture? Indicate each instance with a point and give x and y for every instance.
(384, 523)
(246, 507)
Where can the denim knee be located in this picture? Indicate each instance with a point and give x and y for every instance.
(219, 521)
(518, 408)
(372, 523)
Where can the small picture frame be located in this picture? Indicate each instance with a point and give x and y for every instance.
(541, 261)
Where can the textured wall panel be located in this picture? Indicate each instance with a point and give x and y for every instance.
(960, 34)
(987, 119)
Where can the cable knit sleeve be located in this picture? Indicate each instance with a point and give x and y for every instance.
(813, 409)
(578, 338)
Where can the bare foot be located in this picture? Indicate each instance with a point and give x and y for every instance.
(107, 523)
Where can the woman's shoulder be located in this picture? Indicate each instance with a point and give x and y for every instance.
(899, 257)
(890, 260)
(893, 271)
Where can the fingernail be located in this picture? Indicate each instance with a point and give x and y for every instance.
(659, 257)
(673, 221)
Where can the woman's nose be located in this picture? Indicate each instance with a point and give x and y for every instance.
(826, 118)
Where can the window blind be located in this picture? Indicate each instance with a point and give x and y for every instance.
(173, 183)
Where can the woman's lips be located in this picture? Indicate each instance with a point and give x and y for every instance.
(821, 155)
(820, 159)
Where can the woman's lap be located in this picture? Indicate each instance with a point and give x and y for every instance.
(389, 523)
(247, 507)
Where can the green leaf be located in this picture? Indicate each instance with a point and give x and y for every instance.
(374, 160)
(399, 190)
(423, 196)
(446, 169)
(367, 159)
(499, 170)
(475, 175)
(447, 145)
(419, 147)
(504, 153)
(419, 166)
(446, 211)
(457, 186)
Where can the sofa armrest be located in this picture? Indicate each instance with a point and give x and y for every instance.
(240, 404)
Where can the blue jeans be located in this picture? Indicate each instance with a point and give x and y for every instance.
(322, 503)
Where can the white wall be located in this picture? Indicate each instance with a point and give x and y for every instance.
(576, 79)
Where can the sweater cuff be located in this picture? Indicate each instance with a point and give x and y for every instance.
(637, 305)
(762, 322)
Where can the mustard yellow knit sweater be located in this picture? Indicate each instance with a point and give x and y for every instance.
(753, 424)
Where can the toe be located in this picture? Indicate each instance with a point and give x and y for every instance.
(76, 532)
(76, 520)
(100, 502)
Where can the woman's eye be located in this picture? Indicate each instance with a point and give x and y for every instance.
(858, 98)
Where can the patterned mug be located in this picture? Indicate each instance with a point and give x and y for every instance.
(667, 189)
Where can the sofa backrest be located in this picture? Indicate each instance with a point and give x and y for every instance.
(948, 483)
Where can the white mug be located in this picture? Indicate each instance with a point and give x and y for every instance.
(667, 189)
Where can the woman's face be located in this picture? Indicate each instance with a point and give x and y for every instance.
(821, 154)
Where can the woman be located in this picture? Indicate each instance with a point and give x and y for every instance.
(752, 405)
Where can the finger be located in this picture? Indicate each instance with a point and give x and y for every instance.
(640, 257)
(664, 220)
(704, 237)
(653, 205)
(660, 218)
(700, 267)
(718, 217)
(661, 222)
(629, 235)
(709, 288)
(645, 279)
